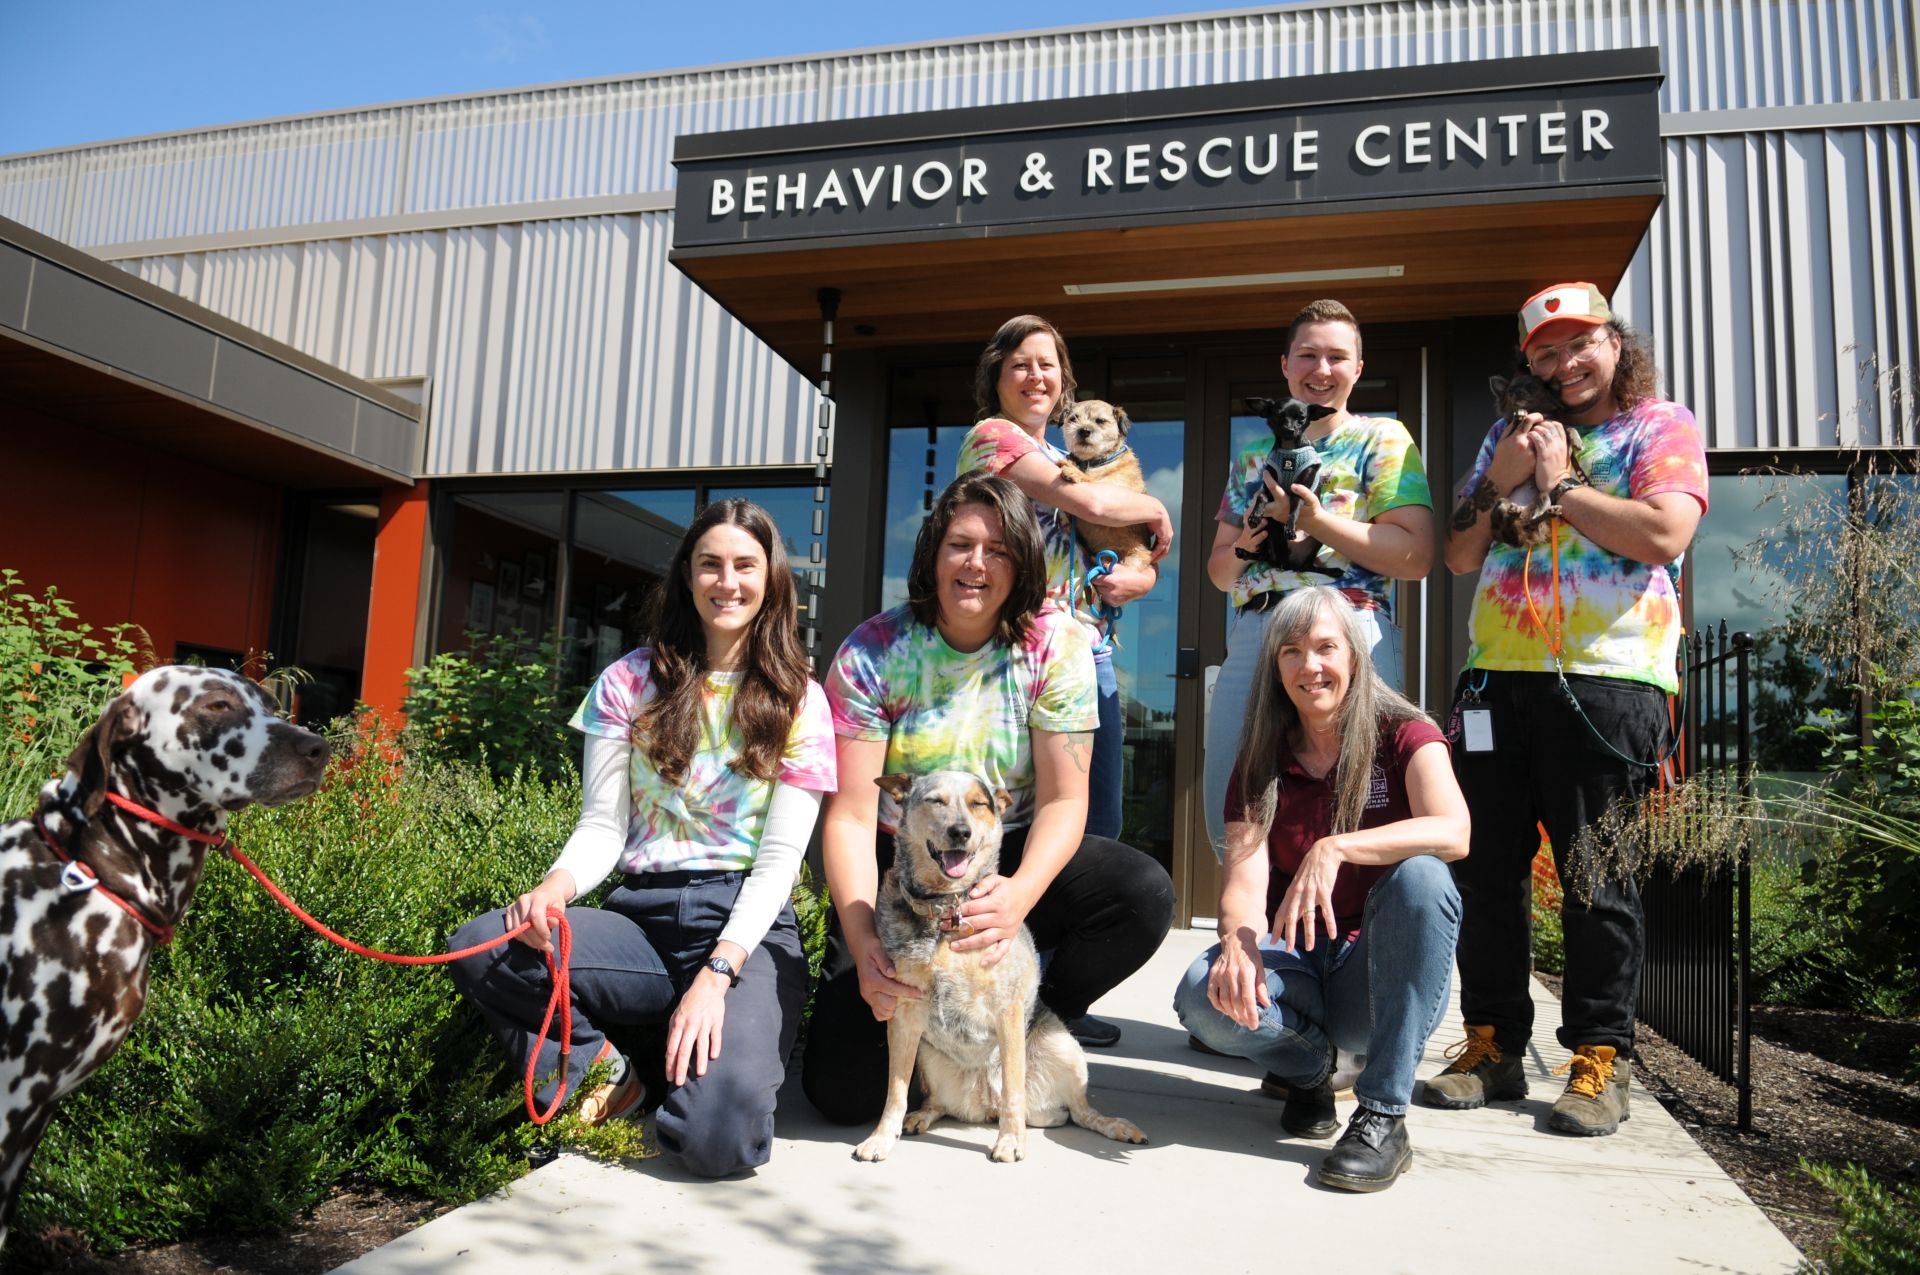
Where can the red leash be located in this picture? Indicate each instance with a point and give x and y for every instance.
(558, 959)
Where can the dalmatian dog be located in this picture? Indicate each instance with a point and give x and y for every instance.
(87, 888)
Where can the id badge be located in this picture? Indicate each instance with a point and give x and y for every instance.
(1476, 729)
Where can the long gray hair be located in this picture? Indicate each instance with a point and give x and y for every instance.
(1272, 729)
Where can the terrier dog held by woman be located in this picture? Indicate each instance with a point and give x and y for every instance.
(1096, 436)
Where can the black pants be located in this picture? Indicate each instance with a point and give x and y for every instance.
(1547, 767)
(1101, 918)
(632, 958)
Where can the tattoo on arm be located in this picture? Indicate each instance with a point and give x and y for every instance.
(1080, 749)
(1481, 498)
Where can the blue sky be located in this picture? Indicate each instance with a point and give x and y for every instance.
(76, 71)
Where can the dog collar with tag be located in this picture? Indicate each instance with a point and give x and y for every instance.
(1088, 466)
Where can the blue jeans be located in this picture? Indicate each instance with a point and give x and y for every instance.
(1106, 777)
(1234, 687)
(632, 957)
(1381, 994)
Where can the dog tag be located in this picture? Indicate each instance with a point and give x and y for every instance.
(1476, 728)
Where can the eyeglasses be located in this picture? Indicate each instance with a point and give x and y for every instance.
(1545, 361)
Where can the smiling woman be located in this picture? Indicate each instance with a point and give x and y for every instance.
(978, 673)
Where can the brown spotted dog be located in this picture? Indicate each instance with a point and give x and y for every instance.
(190, 744)
(1523, 517)
(1096, 434)
(987, 1049)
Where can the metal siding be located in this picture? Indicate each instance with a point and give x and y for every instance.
(1779, 265)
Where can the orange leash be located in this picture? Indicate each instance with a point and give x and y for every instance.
(559, 959)
(1557, 635)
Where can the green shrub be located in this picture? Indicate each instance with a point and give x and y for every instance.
(56, 674)
(1549, 944)
(1879, 1224)
(499, 704)
(269, 1064)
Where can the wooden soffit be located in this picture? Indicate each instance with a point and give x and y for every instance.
(1434, 231)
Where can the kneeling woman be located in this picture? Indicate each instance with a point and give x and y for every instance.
(975, 673)
(1342, 813)
(706, 757)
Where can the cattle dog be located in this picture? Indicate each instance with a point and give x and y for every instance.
(987, 1050)
(1096, 434)
(1524, 516)
(191, 744)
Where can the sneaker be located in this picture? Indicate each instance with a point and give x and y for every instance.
(1595, 1101)
(1370, 1154)
(620, 1098)
(1095, 1033)
(1480, 1073)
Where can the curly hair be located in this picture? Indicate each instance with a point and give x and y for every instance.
(986, 373)
(1019, 532)
(776, 670)
(1635, 378)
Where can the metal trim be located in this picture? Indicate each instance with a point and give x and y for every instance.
(1774, 119)
(1232, 97)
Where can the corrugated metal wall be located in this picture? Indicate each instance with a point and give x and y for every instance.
(1787, 298)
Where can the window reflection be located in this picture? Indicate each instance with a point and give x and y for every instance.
(498, 570)
(623, 542)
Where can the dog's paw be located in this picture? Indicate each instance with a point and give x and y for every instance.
(1009, 1147)
(876, 1148)
(1123, 1130)
(920, 1121)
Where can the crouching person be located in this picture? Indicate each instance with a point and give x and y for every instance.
(1342, 813)
(706, 758)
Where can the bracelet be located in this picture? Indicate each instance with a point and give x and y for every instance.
(1563, 486)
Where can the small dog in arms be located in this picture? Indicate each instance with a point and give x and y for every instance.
(1096, 434)
(1524, 516)
(987, 1050)
(86, 888)
(1293, 461)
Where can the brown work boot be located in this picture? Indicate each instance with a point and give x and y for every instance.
(1480, 1073)
(1595, 1101)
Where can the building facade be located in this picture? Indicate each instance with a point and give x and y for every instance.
(590, 364)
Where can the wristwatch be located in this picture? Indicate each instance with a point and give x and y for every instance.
(722, 966)
(1560, 488)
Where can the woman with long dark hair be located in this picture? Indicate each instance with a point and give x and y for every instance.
(1337, 912)
(976, 673)
(706, 758)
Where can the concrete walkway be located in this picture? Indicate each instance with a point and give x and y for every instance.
(1218, 1188)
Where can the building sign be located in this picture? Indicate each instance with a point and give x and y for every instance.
(1462, 144)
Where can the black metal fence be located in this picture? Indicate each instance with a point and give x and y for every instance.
(1694, 984)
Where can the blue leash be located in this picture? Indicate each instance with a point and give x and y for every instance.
(1108, 616)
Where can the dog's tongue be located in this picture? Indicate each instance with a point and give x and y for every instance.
(954, 862)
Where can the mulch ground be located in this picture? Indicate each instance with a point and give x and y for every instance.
(1826, 1086)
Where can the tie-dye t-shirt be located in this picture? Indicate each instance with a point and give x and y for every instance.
(713, 818)
(1622, 618)
(993, 445)
(1368, 466)
(941, 709)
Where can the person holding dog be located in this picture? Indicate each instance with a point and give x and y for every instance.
(1022, 383)
(976, 673)
(1337, 913)
(706, 758)
(1371, 516)
(1561, 712)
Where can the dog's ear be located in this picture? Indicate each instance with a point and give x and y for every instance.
(1498, 384)
(1003, 799)
(92, 758)
(1261, 407)
(895, 786)
(1120, 418)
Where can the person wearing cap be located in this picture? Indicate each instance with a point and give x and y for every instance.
(1562, 709)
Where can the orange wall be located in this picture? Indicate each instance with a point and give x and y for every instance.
(399, 556)
(130, 533)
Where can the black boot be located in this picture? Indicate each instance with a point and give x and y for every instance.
(1309, 1112)
(1370, 1154)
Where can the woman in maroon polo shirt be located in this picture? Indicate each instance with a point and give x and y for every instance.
(1342, 814)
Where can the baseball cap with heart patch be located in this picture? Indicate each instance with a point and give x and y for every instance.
(1581, 302)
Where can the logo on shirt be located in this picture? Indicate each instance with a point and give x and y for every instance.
(1377, 790)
